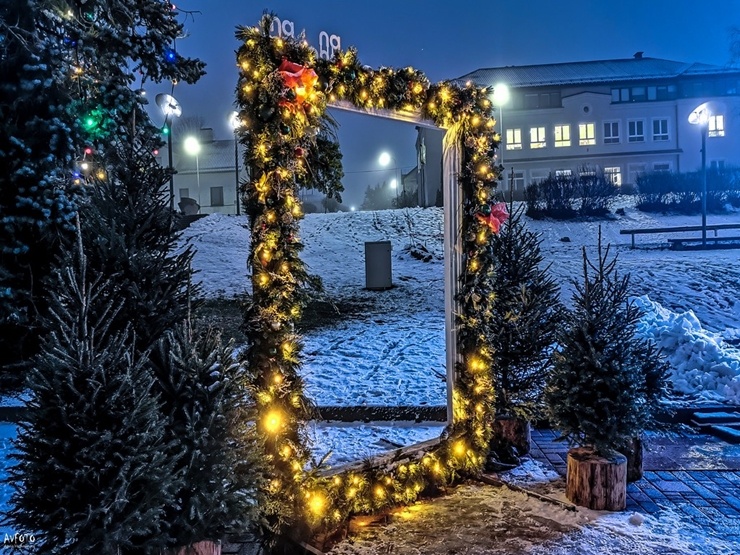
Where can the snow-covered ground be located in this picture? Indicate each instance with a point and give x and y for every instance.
(393, 354)
(475, 519)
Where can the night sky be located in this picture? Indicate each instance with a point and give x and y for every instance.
(446, 39)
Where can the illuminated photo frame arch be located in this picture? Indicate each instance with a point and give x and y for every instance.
(282, 93)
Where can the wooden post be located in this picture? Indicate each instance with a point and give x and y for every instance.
(596, 482)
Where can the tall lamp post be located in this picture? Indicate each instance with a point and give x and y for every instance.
(192, 147)
(384, 160)
(171, 109)
(500, 97)
(700, 116)
(236, 123)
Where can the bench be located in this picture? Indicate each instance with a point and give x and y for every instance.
(677, 229)
(679, 244)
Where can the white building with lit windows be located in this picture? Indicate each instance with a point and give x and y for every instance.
(625, 117)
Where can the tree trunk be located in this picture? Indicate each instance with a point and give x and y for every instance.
(198, 548)
(634, 451)
(513, 431)
(596, 482)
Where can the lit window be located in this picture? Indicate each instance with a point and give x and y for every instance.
(614, 174)
(586, 134)
(660, 129)
(611, 132)
(716, 126)
(217, 196)
(563, 173)
(513, 139)
(636, 131)
(562, 135)
(537, 137)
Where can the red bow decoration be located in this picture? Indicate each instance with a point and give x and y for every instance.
(299, 78)
(498, 215)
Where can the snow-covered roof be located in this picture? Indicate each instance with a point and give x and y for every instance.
(595, 71)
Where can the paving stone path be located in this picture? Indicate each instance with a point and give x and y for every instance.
(693, 474)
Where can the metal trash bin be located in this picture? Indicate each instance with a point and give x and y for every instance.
(378, 271)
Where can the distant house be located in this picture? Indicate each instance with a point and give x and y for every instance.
(209, 179)
(625, 117)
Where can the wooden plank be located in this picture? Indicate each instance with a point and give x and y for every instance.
(379, 413)
(387, 461)
(494, 481)
(713, 227)
(409, 116)
(699, 239)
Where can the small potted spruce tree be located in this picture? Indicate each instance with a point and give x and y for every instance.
(206, 406)
(522, 328)
(605, 384)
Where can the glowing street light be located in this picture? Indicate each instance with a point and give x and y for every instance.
(501, 96)
(192, 147)
(385, 160)
(236, 123)
(171, 109)
(700, 116)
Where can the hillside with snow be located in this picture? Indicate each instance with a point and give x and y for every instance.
(391, 352)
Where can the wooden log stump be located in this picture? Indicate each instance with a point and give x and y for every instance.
(513, 431)
(596, 482)
(198, 548)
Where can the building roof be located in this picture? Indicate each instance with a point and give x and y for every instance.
(597, 71)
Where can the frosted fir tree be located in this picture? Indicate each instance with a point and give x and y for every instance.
(606, 382)
(130, 237)
(71, 80)
(94, 471)
(522, 329)
(209, 419)
(36, 146)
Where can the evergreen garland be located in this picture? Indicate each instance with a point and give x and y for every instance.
(606, 382)
(282, 93)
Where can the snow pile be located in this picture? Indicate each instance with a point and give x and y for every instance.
(701, 362)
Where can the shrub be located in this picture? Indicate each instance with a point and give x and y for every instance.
(681, 192)
(567, 197)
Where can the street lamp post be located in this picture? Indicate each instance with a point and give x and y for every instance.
(384, 160)
(192, 147)
(500, 97)
(171, 109)
(235, 125)
(700, 116)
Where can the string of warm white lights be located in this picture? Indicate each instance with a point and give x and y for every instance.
(282, 93)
